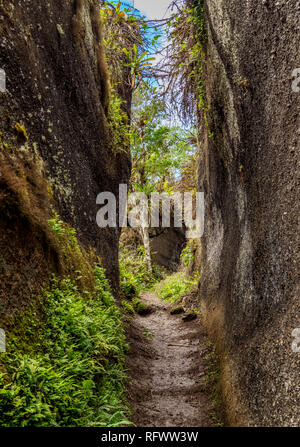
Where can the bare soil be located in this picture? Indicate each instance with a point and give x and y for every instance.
(166, 364)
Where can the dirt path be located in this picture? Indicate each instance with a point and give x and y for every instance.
(166, 370)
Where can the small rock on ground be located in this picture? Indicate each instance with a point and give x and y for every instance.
(190, 316)
(177, 310)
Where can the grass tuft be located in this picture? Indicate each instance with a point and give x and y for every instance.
(175, 286)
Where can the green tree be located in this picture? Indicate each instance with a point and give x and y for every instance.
(159, 150)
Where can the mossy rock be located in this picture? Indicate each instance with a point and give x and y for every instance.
(177, 310)
(142, 308)
(189, 316)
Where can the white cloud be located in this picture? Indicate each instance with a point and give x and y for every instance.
(153, 9)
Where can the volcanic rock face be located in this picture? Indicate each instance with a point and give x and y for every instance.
(58, 93)
(248, 170)
(166, 246)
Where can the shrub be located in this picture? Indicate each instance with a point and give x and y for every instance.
(187, 256)
(134, 274)
(175, 286)
(66, 368)
(140, 306)
(127, 307)
(118, 125)
(75, 261)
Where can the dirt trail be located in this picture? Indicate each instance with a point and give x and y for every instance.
(166, 370)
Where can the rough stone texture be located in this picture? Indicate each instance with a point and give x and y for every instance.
(167, 245)
(57, 88)
(248, 170)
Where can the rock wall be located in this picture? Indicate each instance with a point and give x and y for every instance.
(57, 103)
(248, 169)
(167, 245)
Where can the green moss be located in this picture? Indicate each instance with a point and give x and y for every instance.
(1, 141)
(118, 125)
(20, 128)
(140, 306)
(75, 261)
(198, 56)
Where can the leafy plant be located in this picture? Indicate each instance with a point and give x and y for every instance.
(134, 274)
(61, 229)
(66, 368)
(159, 150)
(76, 262)
(122, 31)
(187, 256)
(175, 286)
(137, 64)
(118, 125)
(147, 334)
(127, 307)
(140, 306)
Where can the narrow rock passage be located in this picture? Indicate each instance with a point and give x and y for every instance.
(166, 364)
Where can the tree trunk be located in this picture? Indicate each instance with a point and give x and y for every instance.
(146, 242)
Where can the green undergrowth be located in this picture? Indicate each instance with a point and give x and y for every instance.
(118, 125)
(64, 364)
(134, 274)
(175, 286)
(136, 305)
(135, 278)
(65, 350)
